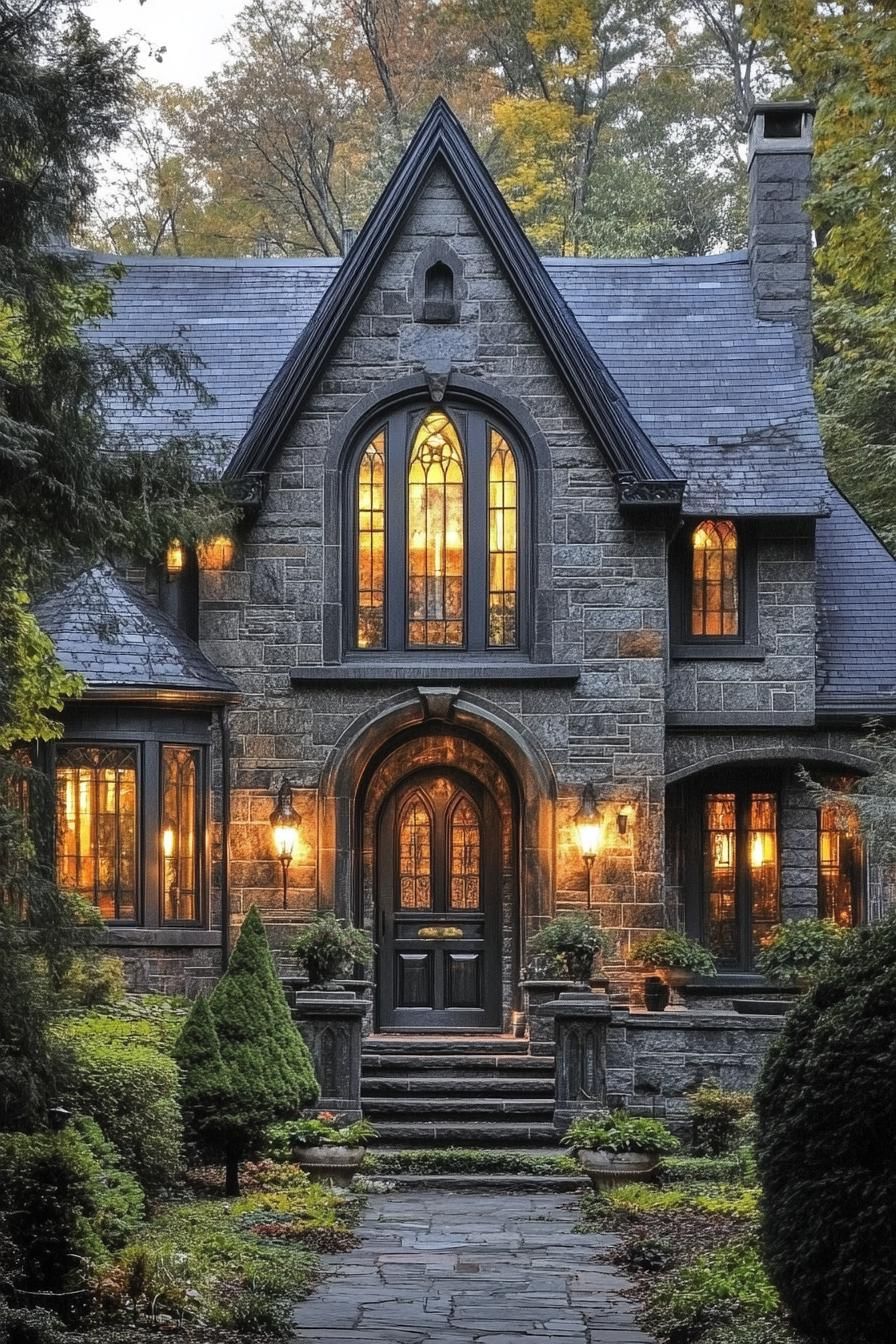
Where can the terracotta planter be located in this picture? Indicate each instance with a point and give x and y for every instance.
(329, 1161)
(607, 1170)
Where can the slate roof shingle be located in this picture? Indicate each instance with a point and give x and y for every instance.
(118, 641)
(723, 396)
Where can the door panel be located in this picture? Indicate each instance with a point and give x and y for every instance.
(439, 904)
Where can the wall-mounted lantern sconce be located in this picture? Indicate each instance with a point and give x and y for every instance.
(622, 819)
(285, 825)
(57, 1118)
(175, 559)
(589, 827)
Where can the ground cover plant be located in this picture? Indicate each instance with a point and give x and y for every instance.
(464, 1161)
(691, 1241)
(235, 1264)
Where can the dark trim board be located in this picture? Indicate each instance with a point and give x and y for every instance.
(645, 478)
(372, 673)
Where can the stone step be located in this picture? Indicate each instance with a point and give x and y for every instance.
(466, 1106)
(478, 1133)
(449, 1084)
(445, 1045)
(408, 1063)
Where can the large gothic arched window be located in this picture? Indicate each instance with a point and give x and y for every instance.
(438, 508)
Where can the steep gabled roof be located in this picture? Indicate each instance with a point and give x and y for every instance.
(643, 474)
(124, 647)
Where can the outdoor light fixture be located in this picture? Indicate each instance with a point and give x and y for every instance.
(57, 1118)
(175, 558)
(589, 827)
(622, 817)
(285, 825)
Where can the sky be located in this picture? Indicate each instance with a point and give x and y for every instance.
(186, 28)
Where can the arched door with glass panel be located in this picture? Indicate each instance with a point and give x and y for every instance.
(438, 904)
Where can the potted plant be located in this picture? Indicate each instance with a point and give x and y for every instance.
(577, 939)
(800, 950)
(674, 957)
(613, 1148)
(322, 1147)
(327, 947)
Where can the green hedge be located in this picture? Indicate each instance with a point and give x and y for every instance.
(462, 1161)
(826, 1106)
(51, 1191)
(130, 1090)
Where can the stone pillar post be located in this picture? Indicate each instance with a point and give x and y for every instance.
(580, 1069)
(330, 1023)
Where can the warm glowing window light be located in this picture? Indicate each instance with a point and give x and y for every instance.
(371, 545)
(96, 827)
(180, 834)
(503, 507)
(216, 554)
(436, 535)
(714, 579)
(175, 558)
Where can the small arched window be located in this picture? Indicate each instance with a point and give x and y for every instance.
(415, 855)
(438, 294)
(464, 848)
(439, 506)
(715, 596)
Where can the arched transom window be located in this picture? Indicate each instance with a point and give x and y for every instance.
(438, 509)
(715, 605)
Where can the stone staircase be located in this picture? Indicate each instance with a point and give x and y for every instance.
(472, 1092)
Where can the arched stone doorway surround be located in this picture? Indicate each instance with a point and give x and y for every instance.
(447, 725)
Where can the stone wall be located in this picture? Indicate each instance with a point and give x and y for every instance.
(778, 689)
(655, 1060)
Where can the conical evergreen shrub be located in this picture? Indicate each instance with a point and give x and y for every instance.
(243, 1061)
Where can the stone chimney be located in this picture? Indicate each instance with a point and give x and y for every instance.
(779, 170)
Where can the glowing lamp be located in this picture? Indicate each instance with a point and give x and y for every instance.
(175, 558)
(589, 827)
(168, 841)
(285, 827)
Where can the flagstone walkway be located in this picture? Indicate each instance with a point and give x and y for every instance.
(438, 1267)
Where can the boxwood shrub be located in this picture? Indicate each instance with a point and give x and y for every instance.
(130, 1090)
(826, 1105)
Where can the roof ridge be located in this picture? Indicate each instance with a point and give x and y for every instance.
(440, 138)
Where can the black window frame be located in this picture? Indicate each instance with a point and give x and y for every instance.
(696, 896)
(399, 425)
(684, 644)
(149, 905)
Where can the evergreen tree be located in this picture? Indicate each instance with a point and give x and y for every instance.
(253, 1067)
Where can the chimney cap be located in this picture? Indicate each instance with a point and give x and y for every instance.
(783, 127)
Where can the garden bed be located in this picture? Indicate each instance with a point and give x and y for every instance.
(690, 1242)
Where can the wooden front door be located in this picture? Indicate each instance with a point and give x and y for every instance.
(439, 905)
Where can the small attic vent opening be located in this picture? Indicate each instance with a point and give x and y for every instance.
(784, 125)
(439, 303)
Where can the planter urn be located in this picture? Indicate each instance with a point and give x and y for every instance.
(332, 1162)
(608, 1170)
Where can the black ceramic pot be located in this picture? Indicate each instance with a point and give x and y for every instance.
(656, 994)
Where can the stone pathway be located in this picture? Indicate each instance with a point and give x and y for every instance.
(439, 1267)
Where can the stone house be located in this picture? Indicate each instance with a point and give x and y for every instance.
(517, 530)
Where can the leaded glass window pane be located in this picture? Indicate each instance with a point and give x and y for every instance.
(720, 866)
(436, 535)
(371, 545)
(96, 827)
(415, 856)
(464, 845)
(840, 864)
(503, 515)
(714, 579)
(180, 834)
(762, 851)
